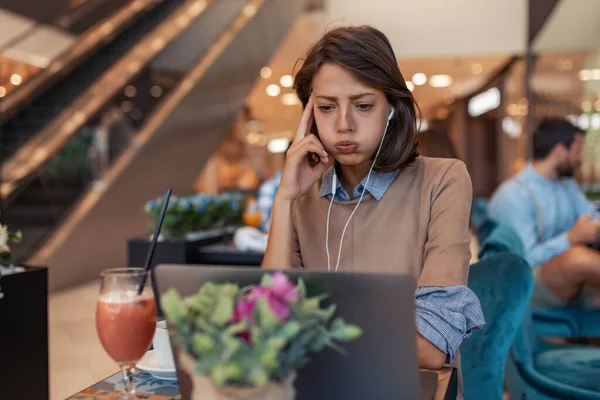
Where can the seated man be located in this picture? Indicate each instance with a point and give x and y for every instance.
(266, 195)
(553, 218)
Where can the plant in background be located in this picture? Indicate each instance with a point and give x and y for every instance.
(199, 212)
(6, 237)
(252, 340)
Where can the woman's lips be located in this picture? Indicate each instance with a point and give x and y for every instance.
(346, 147)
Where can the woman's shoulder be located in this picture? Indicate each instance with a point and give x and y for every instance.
(437, 169)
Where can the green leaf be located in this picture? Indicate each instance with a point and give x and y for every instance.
(266, 280)
(223, 311)
(268, 358)
(203, 343)
(15, 237)
(172, 306)
(266, 318)
(258, 376)
(206, 363)
(202, 324)
(236, 328)
(219, 374)
(301, 288)
(230, 347)
(345, 332)
(290, 330)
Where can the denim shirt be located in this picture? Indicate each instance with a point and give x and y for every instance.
(559, 202)
(445, 316)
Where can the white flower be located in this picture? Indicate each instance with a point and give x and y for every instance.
(4, 239)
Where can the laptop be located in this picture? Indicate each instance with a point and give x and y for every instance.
(380, 365)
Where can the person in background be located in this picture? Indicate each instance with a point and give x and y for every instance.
(266, 196)
(355, 196)
(544, 205)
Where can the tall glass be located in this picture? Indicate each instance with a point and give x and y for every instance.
(125, 321)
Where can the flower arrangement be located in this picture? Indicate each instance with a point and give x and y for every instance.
(6, 237)
(199, 212)
(253, 339)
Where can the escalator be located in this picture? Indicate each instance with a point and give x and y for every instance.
(82, 159)
(26, 123)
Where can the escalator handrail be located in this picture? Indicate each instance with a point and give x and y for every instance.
(101, 33)
(52, 138)
(174, 98)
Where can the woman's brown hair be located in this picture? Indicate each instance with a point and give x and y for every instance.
(367, 53)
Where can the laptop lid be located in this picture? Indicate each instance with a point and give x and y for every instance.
(380, 365)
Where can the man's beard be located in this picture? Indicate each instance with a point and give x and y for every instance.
(566, 170)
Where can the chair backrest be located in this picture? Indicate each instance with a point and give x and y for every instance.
(500, 240)
(504, 284)
(479, 212)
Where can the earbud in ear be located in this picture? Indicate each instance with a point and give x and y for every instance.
(391, 115)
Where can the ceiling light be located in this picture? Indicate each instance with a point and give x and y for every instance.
(126, 106)
(440, 81)
(564, 65)
(595, 121)
(511, 127)
(419, 79)
(16, 79)
(130, 91)
(2, 91)
(156, 91)
(484, 102)
(286, 81)
(476, 69)
(253, 138)
(513, 109)
(249, 10)
(585, 74)
(273, 90)
(410, 85)
(289, 99)
(586, 106)
(265, 72)
(278, 145)
(422, 125)
(584, 121)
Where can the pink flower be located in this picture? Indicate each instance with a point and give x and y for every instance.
(278, 295)
(283, 288)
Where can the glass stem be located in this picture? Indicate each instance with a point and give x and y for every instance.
(128, 389)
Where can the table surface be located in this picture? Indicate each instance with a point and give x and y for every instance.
(150, 388)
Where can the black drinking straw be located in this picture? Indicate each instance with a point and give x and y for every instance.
(150, 254)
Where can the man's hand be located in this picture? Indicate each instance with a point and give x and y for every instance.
(585, 230)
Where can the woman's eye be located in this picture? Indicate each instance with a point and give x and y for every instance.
(364, 106)
(325, 108)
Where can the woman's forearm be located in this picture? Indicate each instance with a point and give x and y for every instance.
(430, 357)
(280, 248)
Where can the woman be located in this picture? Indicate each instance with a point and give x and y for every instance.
(355, 195)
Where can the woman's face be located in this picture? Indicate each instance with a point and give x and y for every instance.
(349, 114)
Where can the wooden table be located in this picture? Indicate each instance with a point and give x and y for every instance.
(446, 384)
(150, 388)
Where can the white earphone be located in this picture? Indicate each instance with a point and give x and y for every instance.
(334, 189)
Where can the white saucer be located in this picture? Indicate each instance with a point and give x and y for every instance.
(149, 364)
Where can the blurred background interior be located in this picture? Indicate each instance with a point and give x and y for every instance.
(105, 103)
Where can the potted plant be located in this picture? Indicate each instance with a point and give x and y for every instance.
(24, 333)
(6, 265)
(190, 222)
(247, 343)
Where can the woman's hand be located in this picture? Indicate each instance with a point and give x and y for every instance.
(298, 176)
